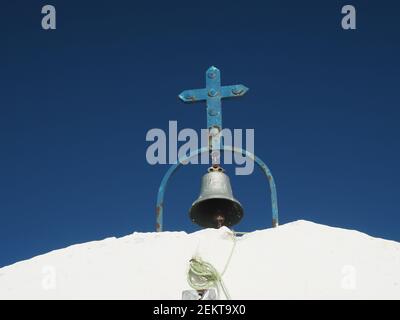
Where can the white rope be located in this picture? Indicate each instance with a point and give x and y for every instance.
(203, 275)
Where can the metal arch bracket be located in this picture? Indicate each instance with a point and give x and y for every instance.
(183, 160)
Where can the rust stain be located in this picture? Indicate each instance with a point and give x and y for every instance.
(158, 210)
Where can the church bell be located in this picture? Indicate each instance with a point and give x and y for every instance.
(216, 207)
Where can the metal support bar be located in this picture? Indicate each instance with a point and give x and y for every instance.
(173, 168)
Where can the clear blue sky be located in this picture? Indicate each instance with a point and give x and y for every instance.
(76, 103)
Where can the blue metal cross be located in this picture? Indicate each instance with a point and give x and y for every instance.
(212, 94)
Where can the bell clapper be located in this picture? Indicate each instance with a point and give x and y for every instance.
(219, 219)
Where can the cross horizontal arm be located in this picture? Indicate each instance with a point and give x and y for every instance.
(193, 95)
(233, 91)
